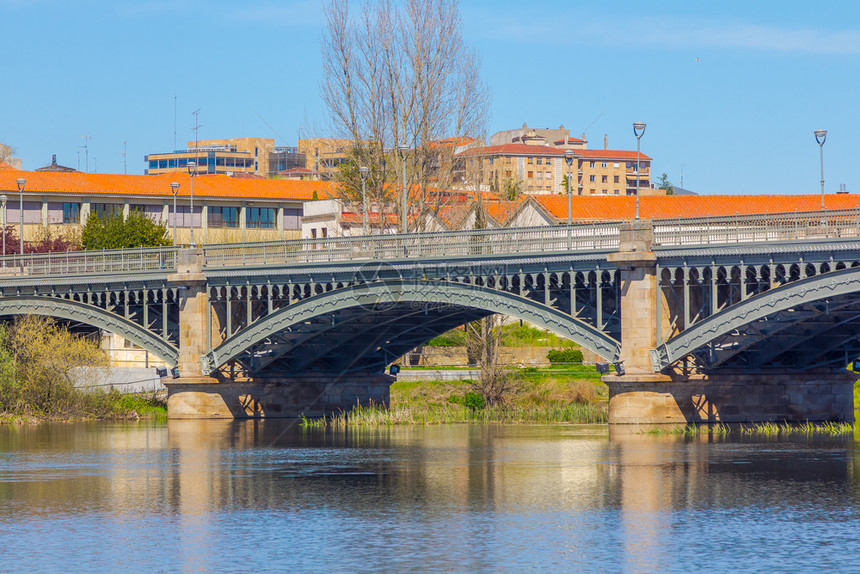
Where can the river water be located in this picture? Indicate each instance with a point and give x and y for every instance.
(265, 496)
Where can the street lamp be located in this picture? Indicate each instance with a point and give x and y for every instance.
(568, 157)
(3, 199)
(363, 171)
(21, 183)
(174, 187)
(404, 153)
(638, 131)
(191, 174)
(821, 137)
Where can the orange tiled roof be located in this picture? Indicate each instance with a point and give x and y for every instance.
(513, 149)
(455, 141)
(594, 208)
(205, 186)
(537, 150)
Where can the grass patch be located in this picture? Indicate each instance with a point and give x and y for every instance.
(513, 335)
(453, 413)
(540, 398)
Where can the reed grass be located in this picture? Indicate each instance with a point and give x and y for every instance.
(453, 414)
(769, 429)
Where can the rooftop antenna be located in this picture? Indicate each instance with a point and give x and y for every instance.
(86, 152)
(195, 113)
(124, 165)
(682, 177)
(174, 122)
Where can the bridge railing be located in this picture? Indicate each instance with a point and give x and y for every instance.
(434, 245)
(90, 262)
(760, 228)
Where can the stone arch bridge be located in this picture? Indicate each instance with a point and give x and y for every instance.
(731, 319)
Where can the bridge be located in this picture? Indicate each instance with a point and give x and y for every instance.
(727, 319)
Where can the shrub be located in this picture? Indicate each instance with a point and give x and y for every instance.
(114, 232)
(564, 356)
(473, 400)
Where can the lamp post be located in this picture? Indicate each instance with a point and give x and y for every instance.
(192, 171)
(174, 187)
(21, 183)
(3, 199)
(363, 170)
(821, 137)
(638, 131)
(404, 153)
(568, 157)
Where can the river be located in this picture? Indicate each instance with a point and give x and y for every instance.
(265, 496)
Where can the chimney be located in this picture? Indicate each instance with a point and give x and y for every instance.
(605, 141)
(54, 159)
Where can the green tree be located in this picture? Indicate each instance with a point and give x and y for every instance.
(666, 184)
(114, 232)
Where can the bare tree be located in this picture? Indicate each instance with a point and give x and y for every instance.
(400, 74)
(496, 382)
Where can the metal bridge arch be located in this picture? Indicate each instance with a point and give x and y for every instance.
(416, 293)
(842, 287)
(72, 310)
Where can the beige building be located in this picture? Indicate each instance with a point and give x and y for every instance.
(225, 209)
(540, 169)
(324, 155)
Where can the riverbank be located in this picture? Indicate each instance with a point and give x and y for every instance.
(99, 405)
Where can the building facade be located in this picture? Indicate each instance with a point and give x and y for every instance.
(539, 169)
(225, 209)
(259, 156)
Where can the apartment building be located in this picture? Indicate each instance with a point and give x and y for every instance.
(225, 209)
(540, 169)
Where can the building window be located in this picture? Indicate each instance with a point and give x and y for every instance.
(540, 161)
(592, 178)
(313, 233)
(529, 160)
(292, 218)
(616, 178)
(616, 164)
(105, 210)
(222, 216)
(260, 217)
(604, 179)
(604, 164)
(531, 174)
(592, 164)
(71, 213)
(508, 173)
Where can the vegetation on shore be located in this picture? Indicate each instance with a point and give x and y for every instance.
(770, 429)
(38, 359)
(537, 396)
(511, 335)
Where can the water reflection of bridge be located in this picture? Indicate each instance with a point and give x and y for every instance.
(748, 318)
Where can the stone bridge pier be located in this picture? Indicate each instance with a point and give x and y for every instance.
(223, 394)
(686, 395)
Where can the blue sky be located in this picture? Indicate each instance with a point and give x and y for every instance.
(731, 91)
